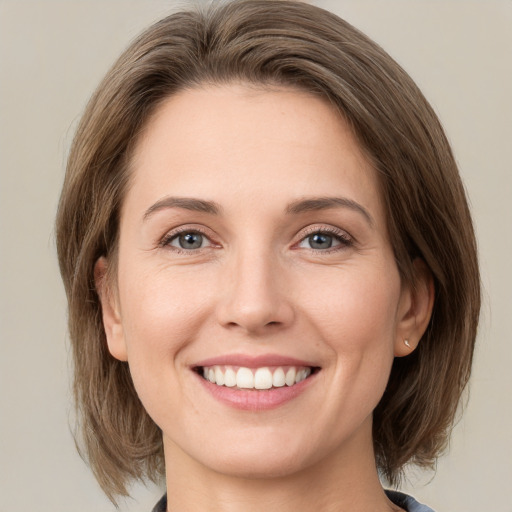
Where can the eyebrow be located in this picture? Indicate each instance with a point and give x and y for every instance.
(186, 203)
(294, 208)
(325, 203)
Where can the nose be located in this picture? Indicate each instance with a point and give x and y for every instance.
(254, 295)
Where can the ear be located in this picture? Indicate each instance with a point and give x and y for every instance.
(110, 311)
(415, 309)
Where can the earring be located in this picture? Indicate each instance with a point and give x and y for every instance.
(407, 344)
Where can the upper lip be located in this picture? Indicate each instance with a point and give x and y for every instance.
(248, 361)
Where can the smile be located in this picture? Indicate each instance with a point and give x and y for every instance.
(255, 383)
(263, 378)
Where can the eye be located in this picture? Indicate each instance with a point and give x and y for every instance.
(322, 240)
(187, 240)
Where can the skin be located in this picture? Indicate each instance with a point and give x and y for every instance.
(257, 286)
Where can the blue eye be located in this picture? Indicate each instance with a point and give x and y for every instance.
(320, 241)
(188, 240)
(324, 240)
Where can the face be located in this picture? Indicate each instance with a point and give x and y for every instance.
(258, 302)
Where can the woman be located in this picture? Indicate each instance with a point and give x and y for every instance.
(270, 265)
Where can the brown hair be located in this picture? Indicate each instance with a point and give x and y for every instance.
(272, 42)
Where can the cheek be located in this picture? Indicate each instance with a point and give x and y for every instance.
(355, 309)
(161, 314)
(357, 321)
(160, 304)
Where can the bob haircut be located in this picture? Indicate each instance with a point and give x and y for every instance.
(272, 43)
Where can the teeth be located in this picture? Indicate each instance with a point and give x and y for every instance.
(302, 374)
(230, 378)
(256, 378)
(263, 378)
(290, 377)
(244, 378)
(219, 376)
(278, 379)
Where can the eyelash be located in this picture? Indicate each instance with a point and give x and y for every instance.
(341, 236)
(169, 237)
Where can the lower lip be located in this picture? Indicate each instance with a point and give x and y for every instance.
(253, 399)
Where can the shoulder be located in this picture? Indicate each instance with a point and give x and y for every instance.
(407, 502)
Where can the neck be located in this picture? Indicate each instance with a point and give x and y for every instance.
(345, 481)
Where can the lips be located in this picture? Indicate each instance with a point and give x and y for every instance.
(255, 383)
(254, 361)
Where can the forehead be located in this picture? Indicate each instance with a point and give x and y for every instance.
(238, 140)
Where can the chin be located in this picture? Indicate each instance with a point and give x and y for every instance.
(259, 453)
(258, 465)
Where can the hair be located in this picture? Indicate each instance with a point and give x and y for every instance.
(284, 44)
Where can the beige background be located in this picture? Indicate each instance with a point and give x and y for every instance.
(53, 53)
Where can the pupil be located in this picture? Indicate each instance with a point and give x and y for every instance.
(319, 241)
(191, 241)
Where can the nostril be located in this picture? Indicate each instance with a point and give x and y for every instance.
(254, 308)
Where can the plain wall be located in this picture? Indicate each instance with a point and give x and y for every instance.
(52, 55)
